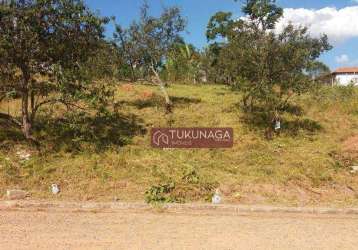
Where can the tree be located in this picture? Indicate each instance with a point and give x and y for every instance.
(269, 67)
(317, 69)
(222, 31)
(150, 40)
(264, 14)
(183, 63)
(108, 63)
(128, 50)
(44, 45)
(211, 66)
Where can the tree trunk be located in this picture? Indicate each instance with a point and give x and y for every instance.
(26, 122)
(133, 76)
(168, 103)
(124, 47)
(32, 101)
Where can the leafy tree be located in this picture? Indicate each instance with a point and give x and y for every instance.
(222, 30)
(269, 68)
(317, 69)
(264, 14)
(210, 64)
(128, 51)
(221, 24)
(44, 45)
(183, 63)
(107, 63)
(149, 41)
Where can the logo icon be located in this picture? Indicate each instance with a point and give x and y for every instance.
(192, 137)
(160, 138)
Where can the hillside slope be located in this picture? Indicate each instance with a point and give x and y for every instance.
(308, 163)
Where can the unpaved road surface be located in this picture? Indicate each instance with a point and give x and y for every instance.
(153, 230)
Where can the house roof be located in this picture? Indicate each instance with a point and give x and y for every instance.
(346, 70)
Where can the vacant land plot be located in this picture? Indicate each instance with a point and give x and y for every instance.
(308, 163)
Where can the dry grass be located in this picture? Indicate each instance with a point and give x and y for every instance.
(307, 166)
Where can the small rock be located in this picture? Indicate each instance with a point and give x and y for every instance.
(216, 197)
(354, 169)
(55, 189)
(23, 155)
(16, 194)
(277, 125)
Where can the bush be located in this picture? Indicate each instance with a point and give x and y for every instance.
(160, 193)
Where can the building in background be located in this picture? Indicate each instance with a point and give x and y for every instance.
(345, 76)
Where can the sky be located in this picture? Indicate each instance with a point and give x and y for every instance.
(336, 18)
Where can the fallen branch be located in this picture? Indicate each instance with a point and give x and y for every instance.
(11, 119)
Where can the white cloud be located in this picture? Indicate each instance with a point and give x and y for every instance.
(342, 59)
(339, 24)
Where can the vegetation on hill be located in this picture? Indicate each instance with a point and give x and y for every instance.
(111, 157)
(76, 108)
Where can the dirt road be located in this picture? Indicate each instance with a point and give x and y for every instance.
(154, 230)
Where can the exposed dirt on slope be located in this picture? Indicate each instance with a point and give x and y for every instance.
(350, 146)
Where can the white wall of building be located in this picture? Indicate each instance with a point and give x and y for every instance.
(346, 78)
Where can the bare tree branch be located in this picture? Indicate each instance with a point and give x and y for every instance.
(11, 119)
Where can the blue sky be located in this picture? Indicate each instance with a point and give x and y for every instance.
(335, 17)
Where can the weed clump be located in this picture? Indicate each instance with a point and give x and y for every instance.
(161, 193)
